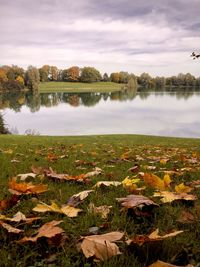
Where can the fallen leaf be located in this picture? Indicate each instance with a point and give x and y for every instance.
(9, 203)
(186, 217)
(101, 246)
(130, 184)
(154, 236)
(9, 228)
(96, 171)
(107, 183)
(141, 205)
(24, 176)
(67, 210)
(48, 230)
(26, 188)
(18, 217)
(164, 161)
(76, 199)
(8, 151)
(195, 184)
(170, 196)
(181, 188)
(155, 182)
(102, 210)
(133, 201)
(134, 168)
(15, 161)
(165, 264)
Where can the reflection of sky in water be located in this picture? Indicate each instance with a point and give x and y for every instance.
(156, 115)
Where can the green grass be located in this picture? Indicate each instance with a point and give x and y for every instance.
(76, 87)
(106, 151)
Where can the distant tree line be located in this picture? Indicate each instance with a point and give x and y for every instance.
(16, 78)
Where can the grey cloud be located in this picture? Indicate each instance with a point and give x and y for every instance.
(45, 25)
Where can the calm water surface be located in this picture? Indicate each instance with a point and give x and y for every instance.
(165, 114)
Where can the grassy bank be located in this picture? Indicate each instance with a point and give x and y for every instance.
(70, 87)
(115, 155)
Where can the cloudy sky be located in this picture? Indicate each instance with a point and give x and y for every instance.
(154, 36)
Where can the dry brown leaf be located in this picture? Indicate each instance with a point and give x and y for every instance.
(107, 183)
(76, 199)
(186, 217)
(96, 172)
(171, 196)
(49, 173)
(154, 236)
(67, 210)
(165, 264)
(48, 230)
(134, 201)
(134, 169)
(195, 184)
(18, 217)
(26, 188)
(101, 246)
(102, 210)
(9, 228)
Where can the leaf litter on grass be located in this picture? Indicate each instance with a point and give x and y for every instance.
(102, 247)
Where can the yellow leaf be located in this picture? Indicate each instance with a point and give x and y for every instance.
(181, 188)
(170, 196)
(67, 210)
(70, 211)
(156, 182)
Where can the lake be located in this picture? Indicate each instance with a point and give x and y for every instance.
(124, 112)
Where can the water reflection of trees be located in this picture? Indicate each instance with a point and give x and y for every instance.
(34, 102)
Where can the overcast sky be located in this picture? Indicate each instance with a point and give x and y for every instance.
(154, 36)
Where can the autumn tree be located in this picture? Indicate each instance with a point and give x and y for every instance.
(145, 80)
(32, 78)
(89, 75)
(115, 77)
(53, 73)
(124, 77)
(71, 74)
(13, 72)
(3, 76)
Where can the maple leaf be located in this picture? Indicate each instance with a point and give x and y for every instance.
(10, 228)
(181, 188)
(48, 230)
(130, 184)
(156, 182)
(154, 236)
(171, 196)
(76, 199)
(102, 210)
(26, 188)
(101, 246)
(67, 210)
(18, 217)
(137, 203)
